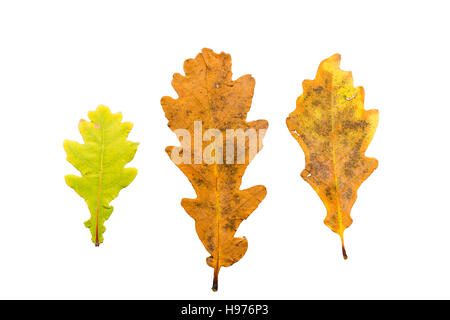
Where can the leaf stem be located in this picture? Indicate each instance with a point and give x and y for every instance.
(215, 286)
(344, 253)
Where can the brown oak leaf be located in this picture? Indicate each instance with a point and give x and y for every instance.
(210, 101)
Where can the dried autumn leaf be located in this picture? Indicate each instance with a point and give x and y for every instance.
(334, 131)
(101, 161)
(207, 95)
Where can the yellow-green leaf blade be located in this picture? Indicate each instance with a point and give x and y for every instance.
(101, 161)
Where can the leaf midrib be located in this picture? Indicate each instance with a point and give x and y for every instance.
(216, 175)
(336, 180)
(102, 154)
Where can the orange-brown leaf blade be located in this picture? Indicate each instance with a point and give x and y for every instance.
(210, 101)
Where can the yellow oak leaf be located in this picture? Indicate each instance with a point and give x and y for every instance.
(334, 131)
(210, 101)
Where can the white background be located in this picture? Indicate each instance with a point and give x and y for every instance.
(60, 59)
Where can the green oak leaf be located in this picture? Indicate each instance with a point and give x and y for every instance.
(101, 161)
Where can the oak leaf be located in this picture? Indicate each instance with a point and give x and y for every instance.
(101, 161)
(334, 131)
(208, 95)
